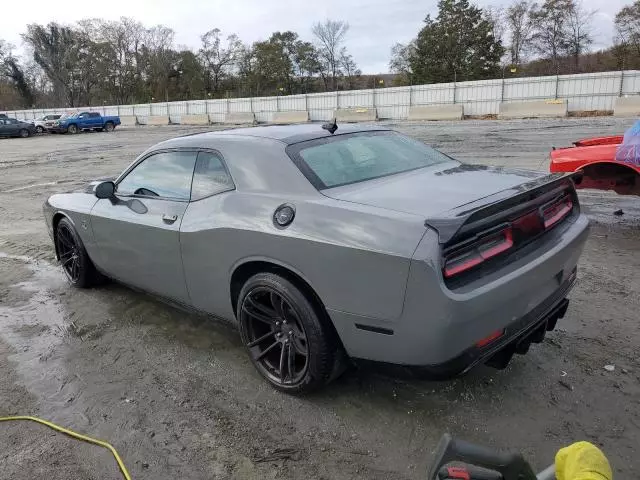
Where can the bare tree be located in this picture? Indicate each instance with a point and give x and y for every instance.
(551, 35)
(330, 36)
(349, 68)
(218, 58)
(628, 28)
(401, 61)
(520, 27)
(579, 31)
(496, 17)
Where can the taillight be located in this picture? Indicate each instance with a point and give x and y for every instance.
(556, 211)
(478, 252)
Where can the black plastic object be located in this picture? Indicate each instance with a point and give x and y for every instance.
(331, 127)
(511, 466)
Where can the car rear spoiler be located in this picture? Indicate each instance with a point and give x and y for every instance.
(490, 210)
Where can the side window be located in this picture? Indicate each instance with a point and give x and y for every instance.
(210, 176)
(165, 174)
(94, 114)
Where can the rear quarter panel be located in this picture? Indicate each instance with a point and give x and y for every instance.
(356, 261)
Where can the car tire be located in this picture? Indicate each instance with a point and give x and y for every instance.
(109, 127)
(287, 335)
(39, 129)
(24, 133)
(72, 129)
(75, 261)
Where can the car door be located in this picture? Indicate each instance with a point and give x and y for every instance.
(3, 128)
(137, 233)
(83, 120)
(12, 126)
(95, 120)
(199, 234)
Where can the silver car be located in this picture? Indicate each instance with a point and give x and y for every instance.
(324, 245)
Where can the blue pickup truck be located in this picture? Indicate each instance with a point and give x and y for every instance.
(85, 121)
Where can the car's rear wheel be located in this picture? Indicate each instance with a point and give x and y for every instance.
(39, 129)
(73, 257)
(72, 129)
(24, 133)
(287, 339)
(109, 127)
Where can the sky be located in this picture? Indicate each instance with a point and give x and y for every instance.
(375, 25)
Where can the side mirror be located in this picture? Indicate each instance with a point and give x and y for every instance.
(105, 190)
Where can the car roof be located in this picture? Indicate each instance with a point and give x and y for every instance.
(288, 134)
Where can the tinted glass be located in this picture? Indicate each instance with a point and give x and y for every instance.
(11, 121)
(94, 114)
(166, 174)
(210, 176)
(342, 160)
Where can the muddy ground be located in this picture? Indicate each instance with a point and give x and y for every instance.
(178, 398)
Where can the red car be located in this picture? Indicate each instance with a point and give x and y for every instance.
(607, 163)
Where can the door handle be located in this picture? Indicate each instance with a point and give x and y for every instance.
(169, 218)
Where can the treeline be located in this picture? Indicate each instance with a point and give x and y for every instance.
(95, 61)
(464, 42)
(120, 62)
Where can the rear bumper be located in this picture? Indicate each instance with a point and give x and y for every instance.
(517, 338)
(439, 328)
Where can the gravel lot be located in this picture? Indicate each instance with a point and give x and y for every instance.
(178, 398)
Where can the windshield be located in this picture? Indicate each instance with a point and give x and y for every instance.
(343, 159)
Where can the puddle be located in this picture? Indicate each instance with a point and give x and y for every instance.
(36, 325)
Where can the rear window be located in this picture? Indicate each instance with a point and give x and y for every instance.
(344, 159)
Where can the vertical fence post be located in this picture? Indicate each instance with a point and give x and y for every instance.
(251, 104)
(118, 109)
(187, 102)
(306, 104)
(557, 81)
(337, 100)
(502, 89)
(228, 105)
(278, 103)
(167, 104)
(410, 95)
(621, 83)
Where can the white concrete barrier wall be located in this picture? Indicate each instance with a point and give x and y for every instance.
(536, 109)
(436, 112)
(356, 114)
(627, 107)
(194, 119)
(128, 121)
(153, 120)
(240, 118)
(282, 118)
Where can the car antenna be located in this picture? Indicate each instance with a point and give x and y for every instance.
(331, 127)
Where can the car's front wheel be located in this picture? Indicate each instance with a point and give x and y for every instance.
(39, 129)
(288, 340)
(24, 133)
(73, 257)
(72, 129)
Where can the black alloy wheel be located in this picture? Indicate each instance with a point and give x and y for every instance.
(73, 257)
(275, 336)
(39, 129)
(68, 252)
(288, 340)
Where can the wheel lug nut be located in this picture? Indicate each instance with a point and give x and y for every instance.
(290, 332)
(277, 324)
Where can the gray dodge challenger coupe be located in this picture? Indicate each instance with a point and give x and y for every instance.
(324, 245)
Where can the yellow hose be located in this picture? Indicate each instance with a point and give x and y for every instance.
(75, 435)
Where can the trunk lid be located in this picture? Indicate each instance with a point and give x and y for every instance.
(431, 191)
